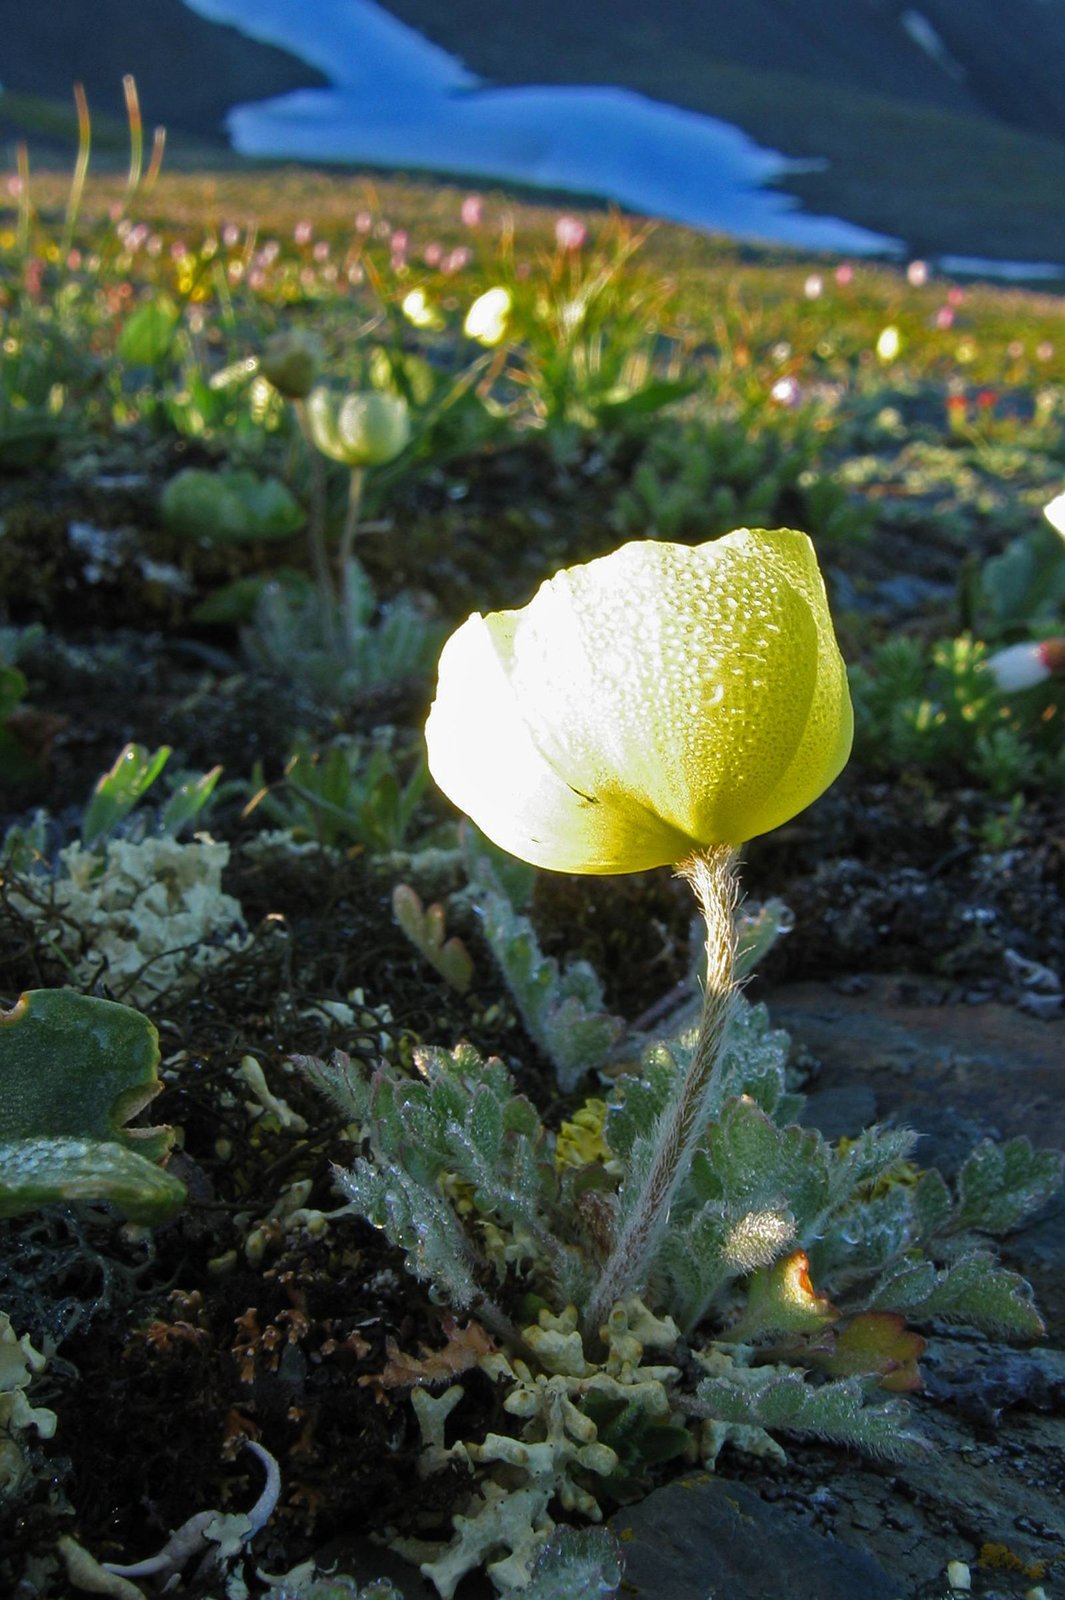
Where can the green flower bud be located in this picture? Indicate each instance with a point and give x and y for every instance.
(291, 361)
(366, 429)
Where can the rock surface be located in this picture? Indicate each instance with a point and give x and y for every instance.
(706, 1538)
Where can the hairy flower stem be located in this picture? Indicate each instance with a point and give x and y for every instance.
(347, 548)
(713, 877)
(316, 531)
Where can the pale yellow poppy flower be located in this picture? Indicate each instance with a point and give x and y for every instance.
(657, 701)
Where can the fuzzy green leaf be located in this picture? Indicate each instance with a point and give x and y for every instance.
(754, 1165)
(932, 1204)
(779, 1397)
(420, 1222)
(562, 1009)
(425, 928)
(576, 1564)
(974, 1289)
(1001, 1184)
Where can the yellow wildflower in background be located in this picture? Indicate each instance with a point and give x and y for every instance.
(420, 311)
(655, 702)
(580, 1143)
(889, 343)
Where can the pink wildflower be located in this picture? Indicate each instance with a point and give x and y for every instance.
(570, 233)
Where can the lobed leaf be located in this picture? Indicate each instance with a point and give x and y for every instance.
(775, 1397)
(1001, 1184)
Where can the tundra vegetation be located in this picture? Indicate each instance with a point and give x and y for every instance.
(477, 1159)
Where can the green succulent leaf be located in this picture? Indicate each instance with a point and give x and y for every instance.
(120, 789)
(73, 1071)
(146, 339)
(230, 507)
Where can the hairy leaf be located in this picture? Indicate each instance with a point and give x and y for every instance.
(775, 1397)
(1001, 1184)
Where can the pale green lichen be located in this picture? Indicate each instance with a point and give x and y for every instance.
(557, 1456)
(146, 918)
(20, 1365)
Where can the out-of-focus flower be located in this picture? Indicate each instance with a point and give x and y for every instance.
(301, 233)
(1022, 666)
(1055, 513)
(291, 361)
(844, 274)
(1044, 350)
(363, 221)
(570, 233)
(955, 296)
(364, 429)
(419, 310)
(456, 260)
(814, 286)
(889, 343)
(917, 273)
(432, 254)
(472, 211)
(486, 320)
(957, 413)
(654, 702)
(786, 392)
(944, 318)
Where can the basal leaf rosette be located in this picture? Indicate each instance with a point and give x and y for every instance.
(657, 701)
